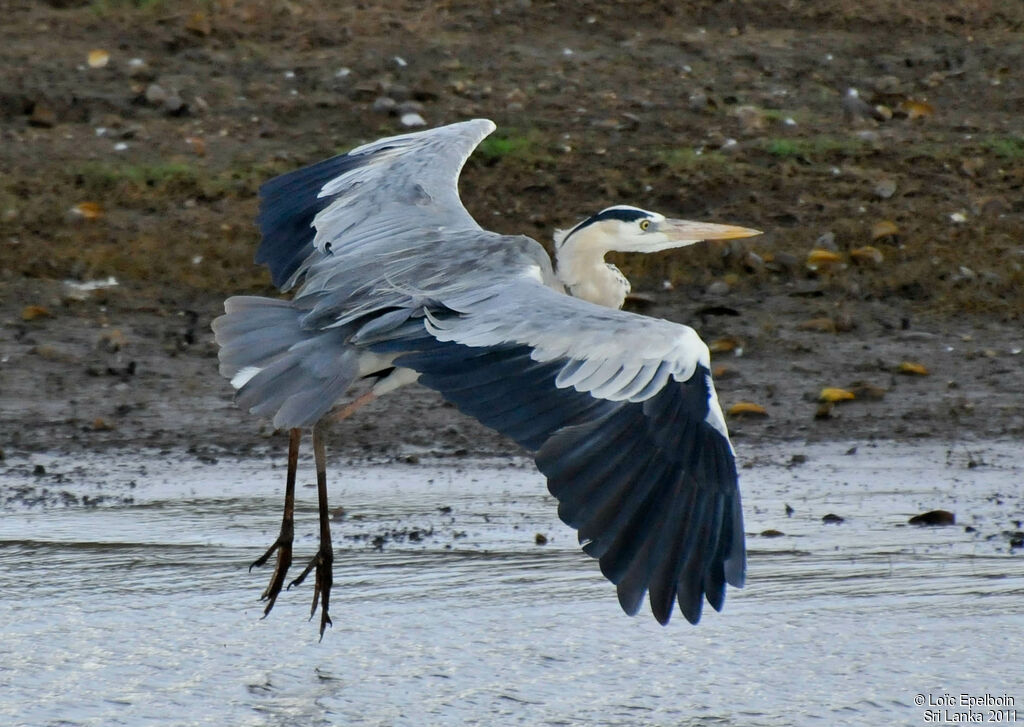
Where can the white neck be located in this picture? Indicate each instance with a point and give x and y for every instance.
(581, 268)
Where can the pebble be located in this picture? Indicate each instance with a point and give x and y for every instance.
(719, 287)
(827, 242)
(933, 517)
(384, 105)
(885, 188)
(410, 107)
(413, 119)
(155, 94)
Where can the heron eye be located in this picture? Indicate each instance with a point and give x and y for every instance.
(644, 224)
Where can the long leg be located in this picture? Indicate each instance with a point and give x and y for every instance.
(283, 544)
(323, 561)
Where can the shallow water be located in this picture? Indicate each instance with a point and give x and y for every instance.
(137, 608)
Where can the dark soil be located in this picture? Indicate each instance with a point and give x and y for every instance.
(724, 111)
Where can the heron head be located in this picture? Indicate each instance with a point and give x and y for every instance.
(630, 229)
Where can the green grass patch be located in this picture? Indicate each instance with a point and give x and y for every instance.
(150, 183)
(110, 7)
(1007, 147)
(496, 147)
(815, 146)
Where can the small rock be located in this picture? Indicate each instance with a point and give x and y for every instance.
(772, 533)
(885, 188)
(384, 105)
(832, 519)
(933, 517)
(789, 510)
(409, 107)
(411, 120)
(173, 104)
(752, 119)
(540, 539)
(718, 287)
(699, 102)
(156, 94)
(139, 70)
(827, 242)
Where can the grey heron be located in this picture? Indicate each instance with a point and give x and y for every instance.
(395, 282)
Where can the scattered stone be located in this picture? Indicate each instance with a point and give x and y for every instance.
(827, 241)
(540, 539)
(772, 533)
(139, 70)
(384, 105)
(39, 470)
(885, 188)
(156, 94)
(789, 510)
(832, 519)
(174, 105)
(718, 287)
(410, 107)
(412, 120)
(700, 102)
(752, 119)
(933, 517)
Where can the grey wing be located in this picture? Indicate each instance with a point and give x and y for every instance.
(386, 191)
(623, 418)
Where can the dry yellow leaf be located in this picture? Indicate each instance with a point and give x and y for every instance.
(747, 409)
(916, 109)
(31, 312)
(913, 369)
(817, 256)
(823, 325)
(98, 58)
(867, 254)
(724, 345)
(724, 372)
(885, 228)
(199, 23)
(198, 145)
(87, 210)
(832, 394)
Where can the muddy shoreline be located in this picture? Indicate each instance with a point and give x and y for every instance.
(109, 372)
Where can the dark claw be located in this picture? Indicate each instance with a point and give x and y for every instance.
(283, 546)
(323, 562)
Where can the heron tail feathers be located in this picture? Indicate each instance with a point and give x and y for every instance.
(278, 368)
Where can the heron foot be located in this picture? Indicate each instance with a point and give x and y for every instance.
(283, 547)
(323, 562)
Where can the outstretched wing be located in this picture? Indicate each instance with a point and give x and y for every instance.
(383, 190)
(623, 418)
